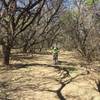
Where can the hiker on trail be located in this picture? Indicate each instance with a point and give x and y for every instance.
(55, 52)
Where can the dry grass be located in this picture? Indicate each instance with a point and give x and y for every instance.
(34, 78)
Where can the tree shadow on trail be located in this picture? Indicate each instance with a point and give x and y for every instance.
(21, 65)
(63, 82)
(20, 57)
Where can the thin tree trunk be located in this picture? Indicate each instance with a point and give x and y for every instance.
(25, 48)
(6, 54)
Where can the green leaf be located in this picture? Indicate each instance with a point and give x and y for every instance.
(91, 2)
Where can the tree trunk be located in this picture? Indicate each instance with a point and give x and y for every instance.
(6, 54)
(25, 48)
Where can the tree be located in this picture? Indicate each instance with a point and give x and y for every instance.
(17, 16)
(80, 26)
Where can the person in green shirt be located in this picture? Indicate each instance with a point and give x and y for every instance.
(55, 52)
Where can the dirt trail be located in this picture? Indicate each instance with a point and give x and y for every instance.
(36, 79)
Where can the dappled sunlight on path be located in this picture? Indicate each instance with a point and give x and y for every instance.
(37, 79)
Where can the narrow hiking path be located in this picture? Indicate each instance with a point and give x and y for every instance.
(35, 78)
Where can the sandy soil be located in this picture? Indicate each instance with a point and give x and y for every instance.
(35, 78)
